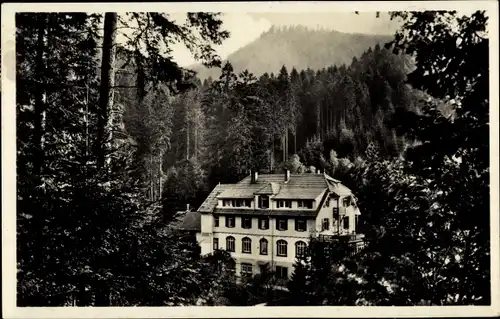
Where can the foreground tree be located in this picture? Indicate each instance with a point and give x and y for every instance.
(86, 232)
(454, 150)
(148, 46)
(424, 244)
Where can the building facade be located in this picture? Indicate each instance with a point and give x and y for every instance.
(267, 220)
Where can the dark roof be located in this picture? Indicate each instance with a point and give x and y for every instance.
(211, 201)
(190, 220)
(240, 191)
(296, 180)
(269, 189)
(291, 192)
(299, 186)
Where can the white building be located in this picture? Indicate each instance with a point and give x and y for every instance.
(266, 220)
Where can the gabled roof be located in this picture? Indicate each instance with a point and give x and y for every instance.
(240, 191)
(290, 192)
(299, 186)
(296, 180)
(335, 186)
(189, 221)
(211, 201)
(269, 189)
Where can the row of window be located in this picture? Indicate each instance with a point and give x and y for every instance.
(263, 223)
(264, 203)
(237, 202)
(346, 202)
(246, 246)
(281, 223)
(247, 271)
(282, 203)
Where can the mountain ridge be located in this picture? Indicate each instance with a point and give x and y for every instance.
(296, 47)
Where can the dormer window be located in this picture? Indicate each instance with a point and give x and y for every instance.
(346, 201)
(306, 203)
(263, 201)
(228, 203)
(284, 203)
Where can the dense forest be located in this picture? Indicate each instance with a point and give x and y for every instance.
(115, 138)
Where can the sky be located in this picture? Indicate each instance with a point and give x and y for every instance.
(246, 27)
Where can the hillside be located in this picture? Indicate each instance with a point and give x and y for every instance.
(297, 47)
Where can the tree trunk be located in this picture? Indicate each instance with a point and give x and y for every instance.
(160, 160)
(151, 184)
(283, 146)
(287, 140)
(295, 140)
(196, 135)
(272, 155)
(38, 156)
(318, 120)
(187, 137)
(106, 86)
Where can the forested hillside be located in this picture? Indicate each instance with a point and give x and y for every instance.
(114, 138)
(240, 122)
(296, 47)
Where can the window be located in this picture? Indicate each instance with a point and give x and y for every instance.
(246, 245)
(246, 270)
(284, 203)
(230, 221)
(300, 225)
(228, 202)
(282, 272)
(281, 248)
(356, 222)
(230, 243)
(282, 224)
(263, 246)
(326, 224)
(246, 222)
(300, 248)
(346, 222)
(216, 221)
(216, 243)
(309, 204)
(242, 203)
(231, 265)
(264, 223)
(263, 201)
(346, 201)
(306, 203)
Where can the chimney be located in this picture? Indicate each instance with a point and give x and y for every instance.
(254, 176)
(287, 176)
